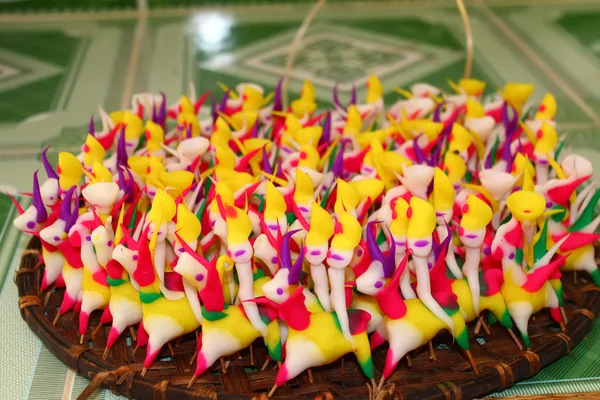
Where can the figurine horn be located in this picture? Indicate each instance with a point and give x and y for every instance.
(223, 103)
(122, 148)
(389, 261)
(336, 100)
(255, 129)
(325, 137)
(91, 129)
(50, 172)
(65, 208)
(353, 97)
(374, 250)
(277, 102)
(162, 114)
(37, 202)
(296, 270)
(286, 257)
(421, 158)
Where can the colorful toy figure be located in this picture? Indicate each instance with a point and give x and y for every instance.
(526, 292)
(312, 229)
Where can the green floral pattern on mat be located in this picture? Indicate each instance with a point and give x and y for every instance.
(37, 6)
(45, 54)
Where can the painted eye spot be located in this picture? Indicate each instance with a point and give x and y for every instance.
(135, 257)
(181, 249)
(56, 238)
(378, 284)
(511, 255)
(199, 277)
(239, 253)
(279, 291)
(487, 251)
(31, 224)
(315, 252)
(51, 197)
(549, 204)
(109, 243)
(421, 243)
(129, 144)
(359, 253)
(274, 260)
(88, 238)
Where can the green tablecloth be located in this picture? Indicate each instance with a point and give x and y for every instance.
(53, 74)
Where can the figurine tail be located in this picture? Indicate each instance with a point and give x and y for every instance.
(556, 315)
(363, 354)
(142, 335)
(201, 365)
(106, 316)
(84, 319)
(376, 340)
(390, 364)
(282, 376)
(67, 303)
(113, 335)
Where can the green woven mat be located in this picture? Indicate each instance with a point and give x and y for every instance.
(54, 71)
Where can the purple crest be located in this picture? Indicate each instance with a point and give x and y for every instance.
(50, 172)
(37, 202)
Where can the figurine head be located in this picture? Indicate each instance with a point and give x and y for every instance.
(288, 275)
(34, 218)
(421, 224)
(347, 233)
(443, 196)
(382, 266)
(320, 231)
(477, 214)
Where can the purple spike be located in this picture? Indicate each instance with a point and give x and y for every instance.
(224, 101)
(162, 114)
(514, 122)
(336, 100)
(123, 185)
(437, 112)
(277, 103)
(285, 257)
(65, 208)
(255, 129)
(50, 172)
(488, 161)
(37, 202)
(374, 250)
(353, 97)
(440, 250)
(279, 170)
(421, 158)
(91, 129)
(338, 164)
(213, 107)
(122, 149)
(437, 154)
(389, 262)
(507, 153)
(266, 164)
(74, 216)
(189, 132)
(154, 115)
(325, 137)
(296, 270)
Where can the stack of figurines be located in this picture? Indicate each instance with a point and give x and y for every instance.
(323, 233)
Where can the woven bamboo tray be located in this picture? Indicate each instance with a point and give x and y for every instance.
(497, 357)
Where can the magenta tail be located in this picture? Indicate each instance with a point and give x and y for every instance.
(376, 340)
(556, 315)
(390, 365)
(201, 365)
(67, 303)
(142, 336)
(282, 376)
(150, 356)
(113, 335)
(106, 316)
(84, 319)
